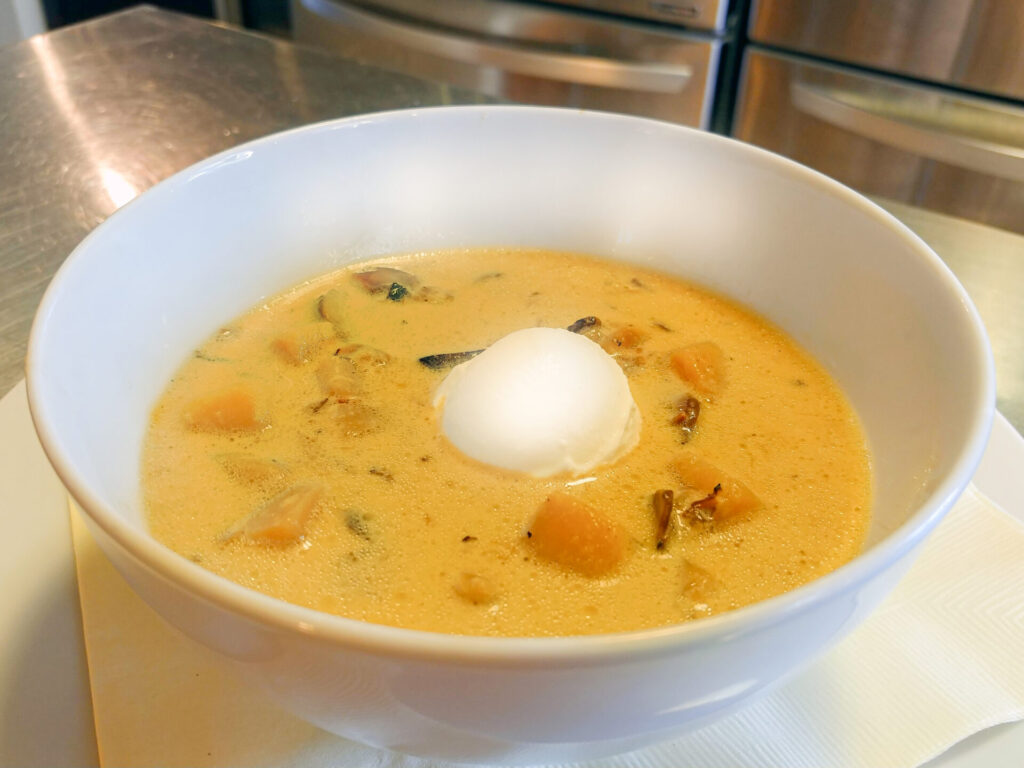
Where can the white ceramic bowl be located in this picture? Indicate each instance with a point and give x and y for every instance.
(849, 282)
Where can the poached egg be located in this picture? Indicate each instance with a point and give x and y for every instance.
(540, 401)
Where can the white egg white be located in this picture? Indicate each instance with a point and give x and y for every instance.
(540, 401)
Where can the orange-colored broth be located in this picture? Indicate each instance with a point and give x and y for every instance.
(407, 531)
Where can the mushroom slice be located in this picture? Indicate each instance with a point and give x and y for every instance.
(382, 278)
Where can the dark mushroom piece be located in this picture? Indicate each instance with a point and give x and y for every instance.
(662, 502)
(687, 412)
(448, 359)
(451, 359)
(703, 510)
(583, 323)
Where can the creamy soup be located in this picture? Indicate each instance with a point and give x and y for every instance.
(298, 452)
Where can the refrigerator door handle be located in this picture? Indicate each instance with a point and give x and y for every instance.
(975, 154)
(585, 70)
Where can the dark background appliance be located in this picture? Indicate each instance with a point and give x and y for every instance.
(547, 53)
(918, 101)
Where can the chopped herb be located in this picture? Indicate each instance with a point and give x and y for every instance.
(661, 325)
(529, 534)
(321, 404)
(469, 538)
(448, 359)
(381, 472)
(687, 412)
(397, 292)
(209, 358)
(489, 276)
(356, 522)
(662, 502)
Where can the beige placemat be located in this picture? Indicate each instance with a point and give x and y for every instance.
(160, 699)
(939, 660)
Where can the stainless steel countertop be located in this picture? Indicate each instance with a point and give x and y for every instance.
(96, 113)
(93, 114)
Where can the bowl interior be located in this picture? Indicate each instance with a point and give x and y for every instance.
(849, 283)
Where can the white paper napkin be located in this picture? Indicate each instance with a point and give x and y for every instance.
(941, 659)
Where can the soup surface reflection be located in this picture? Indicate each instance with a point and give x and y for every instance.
(299, 452)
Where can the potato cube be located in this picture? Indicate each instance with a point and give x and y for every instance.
(231, 411)
(576, 535)
(702, 365)
(300, 345)
(252, 470)
(338, 377)
(733, 500)
(698, 583)
(355, 419)
(626, 337)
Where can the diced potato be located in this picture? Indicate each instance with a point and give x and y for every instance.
(697, 473)
(733, 500)
(253, 470)
(627, 337)
(698, 583)
(364, 355)
(355, 418)
(300, 345)
(231, 411)
(702, 365)
(338, 377)
(474, 588)
(576, 535)
(283, 519)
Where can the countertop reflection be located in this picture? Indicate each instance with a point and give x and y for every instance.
(94, 114)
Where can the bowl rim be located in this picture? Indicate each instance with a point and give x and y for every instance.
(431, 646)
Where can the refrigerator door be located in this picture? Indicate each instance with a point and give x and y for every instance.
(973, 44)
(696, 14)
(931, 148)
(524, 53)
